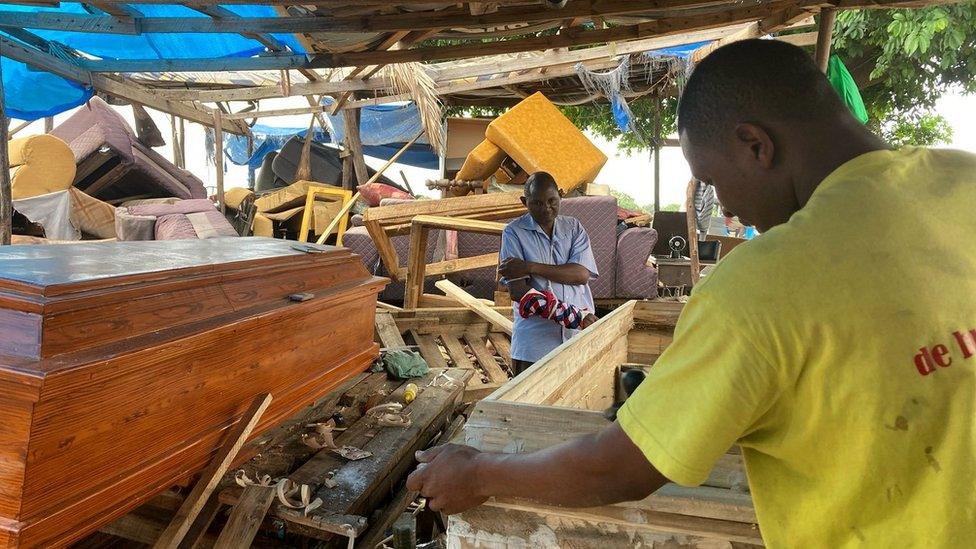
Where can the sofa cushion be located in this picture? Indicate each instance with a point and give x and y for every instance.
(598, 214)
(481, 162)
(40, 164)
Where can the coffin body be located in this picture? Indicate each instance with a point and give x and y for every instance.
(123, 364)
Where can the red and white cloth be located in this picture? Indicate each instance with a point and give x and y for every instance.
(546, 305)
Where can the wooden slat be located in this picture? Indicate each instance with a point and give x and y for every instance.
(459, 224)
(389, 333)
(469, 301)
(429, 350)
(456, 351)
(502, 345)
(487, 360)
(211, 476)
(413, 288)
(246, 518)
(462, 264)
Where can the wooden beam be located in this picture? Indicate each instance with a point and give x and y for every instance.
(219, 158)
(354, 145)
(123, 89)
(661, 27)
(421, 20)
(246, 518)
(267, 61)
(484, 311)
(197, 498)
(824, 33)
(448, 72)
(6, 200)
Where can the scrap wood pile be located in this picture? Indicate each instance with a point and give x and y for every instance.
(333, 471)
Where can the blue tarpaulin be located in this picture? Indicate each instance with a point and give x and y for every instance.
(266, 139)
(30, 94)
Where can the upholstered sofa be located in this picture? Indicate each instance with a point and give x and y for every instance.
(620, 258)
(114, 165)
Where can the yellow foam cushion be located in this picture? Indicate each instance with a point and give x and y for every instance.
(40, 164)
(263, 226)
(483, 161)
(235, 196)
(540, 138)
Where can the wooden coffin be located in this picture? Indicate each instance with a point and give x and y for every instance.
(563, 396)
(122, 364)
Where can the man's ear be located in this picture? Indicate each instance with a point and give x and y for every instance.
(758, 142)
(522, 198)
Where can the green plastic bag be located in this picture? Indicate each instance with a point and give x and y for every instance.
(403, 364)
(844, 84)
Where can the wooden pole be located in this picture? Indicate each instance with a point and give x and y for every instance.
(182, 143)
(250, 168)
(345, 208)
(6, 205)
(48, 124)
(824, 32)
(175, 140)
(657, 157)
(692, 231)
(219, 157)
(355, 144)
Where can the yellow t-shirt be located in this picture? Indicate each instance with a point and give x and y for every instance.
(839, 350)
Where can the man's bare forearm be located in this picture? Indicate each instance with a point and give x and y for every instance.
(597, 469)
(570, 273)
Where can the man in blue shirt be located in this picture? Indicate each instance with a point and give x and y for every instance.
(545, 251)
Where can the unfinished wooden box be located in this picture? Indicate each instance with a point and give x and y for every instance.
(122, 364)
(563, 396)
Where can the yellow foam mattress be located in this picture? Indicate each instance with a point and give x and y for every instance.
(483, 161)
(40, 164)
(540, 138)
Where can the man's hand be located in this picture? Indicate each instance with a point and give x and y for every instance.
(447, 477)
(590, 318)
(513, 267)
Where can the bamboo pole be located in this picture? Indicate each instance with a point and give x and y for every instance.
(824, 31)
(6, 205)
(219, 158)
(348, 205)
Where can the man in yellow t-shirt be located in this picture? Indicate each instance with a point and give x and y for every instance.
(838, 348)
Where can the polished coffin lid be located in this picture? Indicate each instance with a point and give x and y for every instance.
(57, 299)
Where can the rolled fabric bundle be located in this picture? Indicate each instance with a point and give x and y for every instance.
(546, 305)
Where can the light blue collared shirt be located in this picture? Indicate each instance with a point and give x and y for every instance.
(534, 337)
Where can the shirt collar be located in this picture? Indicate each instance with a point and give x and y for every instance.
(528, 223)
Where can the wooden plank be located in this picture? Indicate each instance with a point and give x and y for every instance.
(456, 351)
(429, 350)
(487, 360)
(469, 301)
(246, 518)
(459, 224)
(219, 158)
(462, 264)
(211, 476)
(416, 265)
(389, 333)
(825, 30)
(502, 346)
(475, 391)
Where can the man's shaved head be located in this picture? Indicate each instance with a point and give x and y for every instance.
(759, 121)
(754, 81)
(542, 199)
(539, 182)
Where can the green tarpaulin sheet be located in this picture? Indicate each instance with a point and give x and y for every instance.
(842, 81)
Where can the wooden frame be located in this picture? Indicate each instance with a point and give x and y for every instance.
(561, 397)
(345, 196)
(384, 222)
(417, 269)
